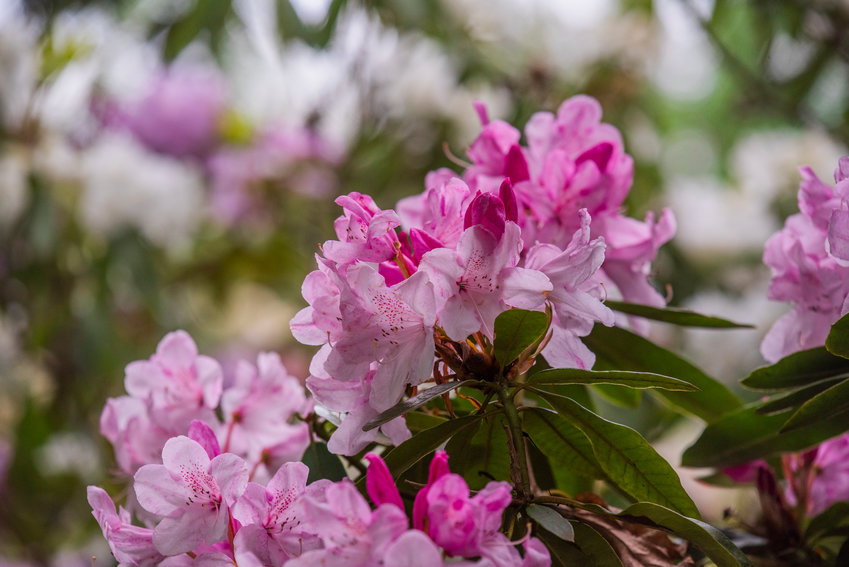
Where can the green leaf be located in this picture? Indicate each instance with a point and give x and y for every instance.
(676, 316)
(837, 341)
(628, 460)
(552, 521)
(618, 349)
(744, 435)
(709, 539)
(625, 397)
(796, 398)
(418, 421)
(422, 444)
(568, 450)
(460, 448)
(831, 404)
(488, 457)
(564, 553)
(416, 401)
(515, 331)
(630, 379)
(834, 516)
(595, 546)
(801, 368)
(322, 463)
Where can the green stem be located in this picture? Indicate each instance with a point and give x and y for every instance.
(518, 453)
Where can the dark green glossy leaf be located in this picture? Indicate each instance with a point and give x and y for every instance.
(625, 397)
(628, 460)
(419, 421)
(834, 516)
(630, 379)
(710, 540)
(516, 330)
(680, 317)
(796, 398)
(322, 463)
(744, 435)
(552, 521)
(460, 448)
(595, 546)
(801, 368)
(832, 403)
(488, 457)
(837, 341)
(416, 401)
(618, 349)
(564, 553)
(423, 443)
(568, 450)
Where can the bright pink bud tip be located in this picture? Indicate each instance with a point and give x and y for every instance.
(379, 483)
(508, 198)
(486, 210)
(480, 108)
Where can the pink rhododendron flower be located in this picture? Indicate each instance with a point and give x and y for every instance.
(258, 409)
(353, 535)
(807, 270)
(180, 113)
(131, 545)
(192, 493)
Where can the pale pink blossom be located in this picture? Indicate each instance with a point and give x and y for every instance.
(192, 493)
(131, 545)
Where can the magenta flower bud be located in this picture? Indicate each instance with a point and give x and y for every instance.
(508, 198)
(379, 483)
(438, 469)
(487, 210)
(515, 165)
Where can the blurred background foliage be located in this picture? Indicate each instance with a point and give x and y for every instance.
(718, 101)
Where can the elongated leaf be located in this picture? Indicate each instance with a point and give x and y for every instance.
(630, 379)
(680, 317)
(568, 450)
(837, 341)
(796, 398)
(552, 521)
(830, 404)
(595, 546)
(744, 435)
(625, 397)
(459, 448)
(801, 368)
(516, 330)
(416, 401)
(710, 540)
(618, 349)
(564, 553)
(322, 463)
(628, 460)
(418, 446)
(488, 456)
(418, 421)
(834, 516)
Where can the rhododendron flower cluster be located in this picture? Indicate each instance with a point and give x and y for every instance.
(201, 509)
(397, 295)
(178, 387)
(809, 259)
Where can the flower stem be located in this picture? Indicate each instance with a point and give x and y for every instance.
(518, 453)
